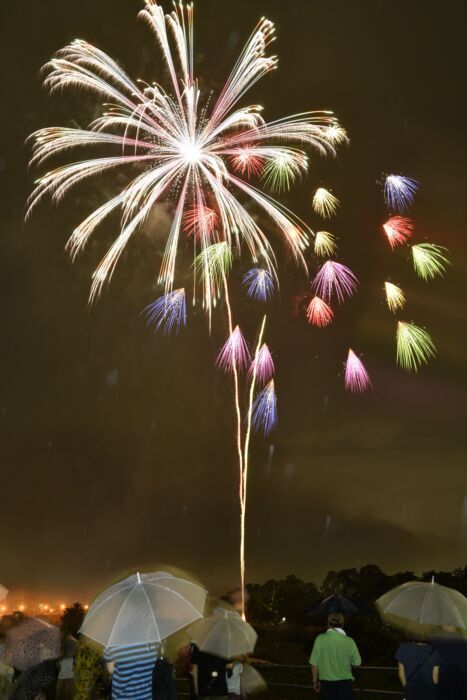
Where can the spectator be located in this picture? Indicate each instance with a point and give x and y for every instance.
(333, 656)
(234, 673)
(452, 649)
(418, 669)
(209, 675)
(131, 668)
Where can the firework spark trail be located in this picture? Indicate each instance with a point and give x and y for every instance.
(256, 365)
(399, 192)
(260, 284)
(356, 377)
(264, 412)
(319, 313)
(395, 297)
(324, 203)
(325, 244)
(168, 312)
(414, 346)
(398, 230)
(429, 260)
(334, 278)
(263, 364)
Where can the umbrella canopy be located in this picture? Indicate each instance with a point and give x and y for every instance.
(143, 608)
(224, 633)
(251, 681)
(31, 642)
(336, 603)
(3, 592)
(425, 604)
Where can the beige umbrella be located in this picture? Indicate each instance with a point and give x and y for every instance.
(224, 633)
(423, 603)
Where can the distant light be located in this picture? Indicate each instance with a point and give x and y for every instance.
(62, 606)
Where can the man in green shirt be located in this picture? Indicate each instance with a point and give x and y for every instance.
(332, 659)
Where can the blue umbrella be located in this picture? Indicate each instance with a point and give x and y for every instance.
(336, 603)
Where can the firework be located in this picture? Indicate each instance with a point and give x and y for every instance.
(264, 412)
(394, 296)
(264, 365)
(168, 313)
(429, 260)
(234, 353)
(334, 278)
(247, 162)
(325, 244)
(200, 222)
(324, 203)
(398, 230)
(399, 192)
(356, 377)
(414, 346)
(336, 134)
(260, 284)
(281, 171)
(178, 145)
(319, 313)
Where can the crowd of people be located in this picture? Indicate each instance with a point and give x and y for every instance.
(428, 669)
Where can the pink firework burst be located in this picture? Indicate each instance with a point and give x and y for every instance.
(356, 378)
(264, 365)
(234, 353)
(334, 278)
(247, 161)
(398, 230)
(319, 313)
(200, 221)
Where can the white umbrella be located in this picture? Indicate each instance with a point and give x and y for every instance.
(143, 608)
(224, 633)
(3, 592)
(426, 604)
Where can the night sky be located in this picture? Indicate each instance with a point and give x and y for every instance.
(116, 443)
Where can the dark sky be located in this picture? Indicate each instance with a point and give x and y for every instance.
(117, 444)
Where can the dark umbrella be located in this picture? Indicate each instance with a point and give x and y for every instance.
(336, 603)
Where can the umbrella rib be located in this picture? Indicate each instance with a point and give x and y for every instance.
(118, 617)
(152, 613)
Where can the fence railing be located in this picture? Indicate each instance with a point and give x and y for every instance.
(283, 682)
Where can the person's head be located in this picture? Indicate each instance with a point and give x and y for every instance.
(336, 619)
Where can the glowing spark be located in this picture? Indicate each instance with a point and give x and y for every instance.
(200, 221)
(334, 278)
(168, 312)
(234, 353)
(336, 134)
(264, 412)
(281, 171)
(319, 313)
(325, 244)
(398, 230)
(324, 203)
(356, 377)
(429, 260)
(247, 162)
(260, 284)
(174, 146)
(399, 192)
(414, 346)
(394, 296)
(264, 365)
(213, 265)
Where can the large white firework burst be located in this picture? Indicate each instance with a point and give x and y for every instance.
(181, 145)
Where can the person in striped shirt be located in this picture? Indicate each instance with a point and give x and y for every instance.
(131, 670)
